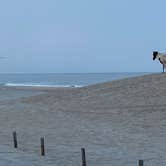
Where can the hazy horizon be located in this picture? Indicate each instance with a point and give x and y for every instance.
(77, 72)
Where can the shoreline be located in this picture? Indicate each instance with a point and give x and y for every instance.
(77, 80)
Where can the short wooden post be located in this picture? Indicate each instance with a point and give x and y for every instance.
(42, 146)
(141, 162)
(163, 67)
(83, 157)
(15, 139)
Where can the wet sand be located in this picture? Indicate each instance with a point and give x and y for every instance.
(118, 122)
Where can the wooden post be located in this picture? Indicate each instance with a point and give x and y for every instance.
(15, 139)
(141, 162)
(83, 157)
(163, 68)
(42, 146)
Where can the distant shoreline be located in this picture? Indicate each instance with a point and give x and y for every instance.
(40, 86)
(61, 80)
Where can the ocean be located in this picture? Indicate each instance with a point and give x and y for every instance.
(61, 80)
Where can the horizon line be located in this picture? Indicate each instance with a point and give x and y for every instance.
(82, 72)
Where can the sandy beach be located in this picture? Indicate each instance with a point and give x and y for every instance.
(117, 122)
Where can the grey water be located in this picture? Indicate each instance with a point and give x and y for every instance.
(62, 80)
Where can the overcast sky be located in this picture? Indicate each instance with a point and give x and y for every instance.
(54, 36)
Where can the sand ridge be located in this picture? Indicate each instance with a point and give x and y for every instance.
(117, 122)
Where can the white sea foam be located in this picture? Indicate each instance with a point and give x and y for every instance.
(39, 85)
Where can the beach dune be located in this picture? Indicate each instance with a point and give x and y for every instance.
(118, 122)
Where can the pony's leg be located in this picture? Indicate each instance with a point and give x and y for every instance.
(163, 67)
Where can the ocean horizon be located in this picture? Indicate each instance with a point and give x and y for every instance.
(62, 79)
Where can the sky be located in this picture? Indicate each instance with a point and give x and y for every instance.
(80, 36)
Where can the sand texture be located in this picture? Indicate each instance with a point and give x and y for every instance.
(118, 123)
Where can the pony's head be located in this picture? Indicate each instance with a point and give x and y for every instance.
(155, 53)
